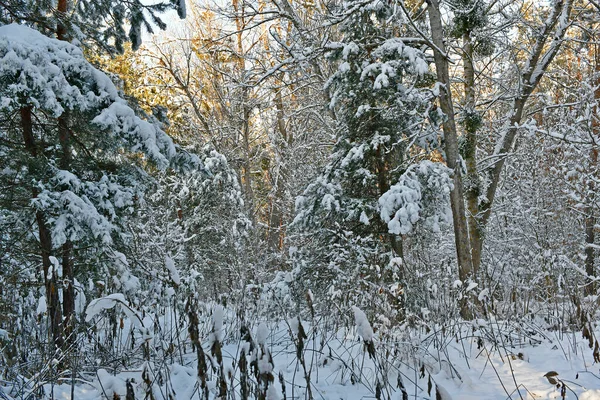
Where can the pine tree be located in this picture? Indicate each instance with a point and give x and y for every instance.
(108, 24)
(386, 122)
(76, 195)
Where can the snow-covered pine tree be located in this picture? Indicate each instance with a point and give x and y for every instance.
(387, 122)
(49, 202)
(106, 23)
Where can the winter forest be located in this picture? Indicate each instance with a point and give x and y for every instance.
(300, 199)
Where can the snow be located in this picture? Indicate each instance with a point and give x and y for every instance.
(462, 370)
(78, 215)
(45, 69)
(111, 386)
(41, 307)
(217, 319)
(381, 81)
(350, 48)
(294, 324)
(310, 296)
(364, 218)
(362, 324)
(54, 76)
(391, 59)
(262, 333)
(80, 299)
(590, 395)
(120, 119)
(273, 393)
(472, 285)
(483, 358)
(55, 269)
(173, 273)
(485, 293)
(355, 154)
(402, 206)
(96, 306)
(264, 364)
(442, 393)
(363, 108)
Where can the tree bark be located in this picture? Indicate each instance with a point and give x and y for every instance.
(590, 238)
(245, 128)
(65, 164)
(383, 184)
(61, 29)
(472, 182)
(276, 217)
(67, 248)
(461, 235)
(247, 172)
(543, 53)
(50, 274)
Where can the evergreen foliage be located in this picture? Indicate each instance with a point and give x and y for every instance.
(106, 23)
(79, 194)
(383, 128)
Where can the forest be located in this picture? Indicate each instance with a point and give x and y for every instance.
(299, 199)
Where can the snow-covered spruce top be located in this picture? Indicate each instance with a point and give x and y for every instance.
(53, 75)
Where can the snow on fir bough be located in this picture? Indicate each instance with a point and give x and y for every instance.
(84, 180)
(420, 193)
(96, 306)
(54, 76)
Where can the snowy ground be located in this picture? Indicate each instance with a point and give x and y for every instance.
(502, 377)
(460, 368)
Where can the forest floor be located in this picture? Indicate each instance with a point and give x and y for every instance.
(471, 367)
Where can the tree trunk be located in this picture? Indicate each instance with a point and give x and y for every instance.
(472, 183)
(461, 235)
(383, 184)
(65, 164)
(67, 248)
(276, 218)
(61, 29)
(50, 274)
(247, 172)
(246, 109)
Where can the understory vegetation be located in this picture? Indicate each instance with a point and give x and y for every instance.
(280, 200)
